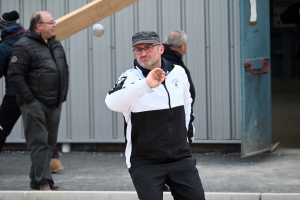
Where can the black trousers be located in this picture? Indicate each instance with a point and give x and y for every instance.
(41, 124)
(181, 176)
(9, 115)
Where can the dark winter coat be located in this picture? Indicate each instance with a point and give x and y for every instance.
(38, 70)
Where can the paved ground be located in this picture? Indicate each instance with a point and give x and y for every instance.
(276, 172)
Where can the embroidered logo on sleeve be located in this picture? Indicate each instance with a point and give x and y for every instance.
(175, 83)
(13, 59)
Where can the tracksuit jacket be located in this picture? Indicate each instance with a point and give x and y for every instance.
(156, 118)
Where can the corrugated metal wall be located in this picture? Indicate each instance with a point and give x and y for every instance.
(95, 63)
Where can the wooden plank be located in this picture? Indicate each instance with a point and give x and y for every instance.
(87, 15)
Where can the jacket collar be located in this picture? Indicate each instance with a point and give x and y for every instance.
(166, 66)
(12, 30)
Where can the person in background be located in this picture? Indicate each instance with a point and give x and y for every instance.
(155, 101)
(11, 32)
(175, 47)
(38, 71)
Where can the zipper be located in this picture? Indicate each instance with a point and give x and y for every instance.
(54, 46)
(171, 116)
(169, 99)
(39, 78)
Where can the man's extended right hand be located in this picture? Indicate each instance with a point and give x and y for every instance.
(155, 77)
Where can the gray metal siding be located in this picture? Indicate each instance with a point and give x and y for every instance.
(96, 63)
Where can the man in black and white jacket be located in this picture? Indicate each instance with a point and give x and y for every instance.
(155, 101)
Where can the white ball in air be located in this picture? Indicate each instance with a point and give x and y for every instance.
(98, 30)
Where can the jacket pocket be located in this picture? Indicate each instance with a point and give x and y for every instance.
(48, 88)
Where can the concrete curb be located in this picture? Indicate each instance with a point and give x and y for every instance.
(280, 196)
(118, 195)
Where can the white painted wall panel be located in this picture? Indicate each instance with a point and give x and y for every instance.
(235, 70)
(103, 62)
(79, 82)
(146, 15)
(196, 61)
(170, 16)
(219, 69)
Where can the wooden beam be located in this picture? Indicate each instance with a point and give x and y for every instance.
(88, 15)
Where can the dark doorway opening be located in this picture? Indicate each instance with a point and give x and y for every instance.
(285, 85)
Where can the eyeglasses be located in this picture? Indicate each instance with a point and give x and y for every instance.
(51, 23)
(147, 49)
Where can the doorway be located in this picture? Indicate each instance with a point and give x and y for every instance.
(285, 80)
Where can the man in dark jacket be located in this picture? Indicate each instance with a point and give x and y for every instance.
(38, 71)
(175, 47)
(11, 32)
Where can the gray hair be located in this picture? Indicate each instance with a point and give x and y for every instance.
(176, 38)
